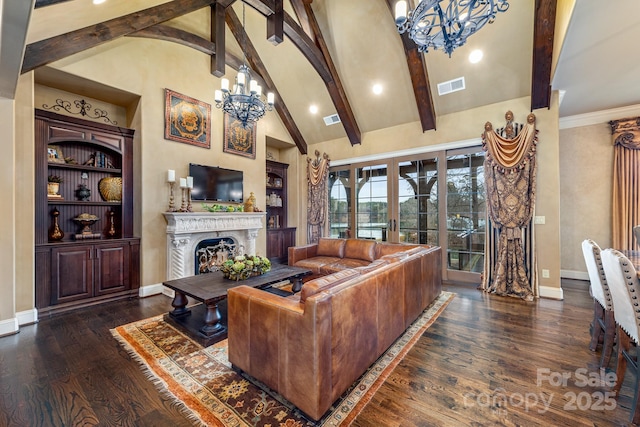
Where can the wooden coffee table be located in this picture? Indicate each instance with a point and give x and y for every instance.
(206, 322)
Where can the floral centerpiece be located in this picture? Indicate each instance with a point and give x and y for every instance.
(242, 267)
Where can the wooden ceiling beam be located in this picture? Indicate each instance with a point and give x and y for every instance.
(218, 31)
(52, 49)
(336, 90)
(543, 35)
(275, 24)
(419, 79)
(256, 64)
(301, 14)
(43, 3)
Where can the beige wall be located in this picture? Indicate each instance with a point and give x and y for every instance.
(586, 156)
(7, 218)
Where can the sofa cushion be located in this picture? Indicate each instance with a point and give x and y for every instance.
(360, 249)
(373, 266)
(331, 247)
(316, 263)
(326, 282)
(343, 264)
(386, 248)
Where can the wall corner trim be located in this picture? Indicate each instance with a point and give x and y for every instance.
(150, 290)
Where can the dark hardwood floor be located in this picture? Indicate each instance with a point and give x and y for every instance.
(477, 365)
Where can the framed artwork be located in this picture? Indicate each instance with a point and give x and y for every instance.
(54, 154)
(187, 120)
(237, 139)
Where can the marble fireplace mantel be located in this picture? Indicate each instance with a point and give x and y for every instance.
(186, 229)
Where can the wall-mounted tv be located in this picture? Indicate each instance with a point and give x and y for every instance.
(215, 184)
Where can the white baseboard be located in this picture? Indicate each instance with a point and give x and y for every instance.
(150, 290)
(551, 292)
(9, 327)
(157, 289)
(27, 317)
(571, 274)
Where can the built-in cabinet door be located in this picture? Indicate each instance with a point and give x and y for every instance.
(71, 273)
(111, 268)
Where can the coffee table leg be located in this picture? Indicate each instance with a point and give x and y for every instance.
(297, 284)
(212, 318)
(179, 305)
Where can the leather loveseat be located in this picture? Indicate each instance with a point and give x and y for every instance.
(311, 347)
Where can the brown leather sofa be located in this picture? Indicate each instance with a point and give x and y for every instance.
(312, 347)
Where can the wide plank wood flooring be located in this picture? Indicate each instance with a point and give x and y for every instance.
(479, 364)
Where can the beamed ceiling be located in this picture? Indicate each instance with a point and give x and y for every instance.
(331, 52)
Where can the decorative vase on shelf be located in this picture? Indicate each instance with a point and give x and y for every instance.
(83, 193)
(55, 233)
(250, 203)
(111, 189)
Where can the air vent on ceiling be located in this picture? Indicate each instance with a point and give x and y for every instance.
(331, 120)
(451, 86)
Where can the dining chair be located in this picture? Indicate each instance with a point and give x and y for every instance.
(603, 318)
(636, 233)
(624, 287)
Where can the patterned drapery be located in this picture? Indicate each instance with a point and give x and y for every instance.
(318, 196)
(510, 179)
(626, 181)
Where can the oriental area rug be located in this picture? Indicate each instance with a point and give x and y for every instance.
(211, 393)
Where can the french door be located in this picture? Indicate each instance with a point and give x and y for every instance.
(404, 200)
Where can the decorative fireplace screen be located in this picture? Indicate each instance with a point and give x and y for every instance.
(211, 253)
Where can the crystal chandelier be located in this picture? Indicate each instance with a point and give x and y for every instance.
(244, 101)
(446, 27)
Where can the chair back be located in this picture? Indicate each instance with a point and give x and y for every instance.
(636, 233)
(625, 291)
(599, 287)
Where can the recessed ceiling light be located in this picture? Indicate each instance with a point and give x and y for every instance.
(377, 89)
(99, 1)
(313, 109)
(475, 56)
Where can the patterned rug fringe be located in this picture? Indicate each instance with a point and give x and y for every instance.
(208, 392)
(158, 383)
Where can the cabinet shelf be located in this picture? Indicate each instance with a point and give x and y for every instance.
(83, 168)
(79, 203)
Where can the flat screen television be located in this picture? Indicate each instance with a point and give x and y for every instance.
(214, 184)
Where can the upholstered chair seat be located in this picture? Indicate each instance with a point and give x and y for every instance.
(603, 317)
(625, 293)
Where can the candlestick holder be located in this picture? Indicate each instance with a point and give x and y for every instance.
(189, 209)
(172, 206)
(183, 206)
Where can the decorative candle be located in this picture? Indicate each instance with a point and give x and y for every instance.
(270, 98)
(218, 95)
(401, 11)
(253, 86)
(171, 175)
(189, 182)
(241, 78)
(183, 182)
(224, 85)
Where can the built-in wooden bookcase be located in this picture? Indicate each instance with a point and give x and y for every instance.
(279, 235)
(82, 269)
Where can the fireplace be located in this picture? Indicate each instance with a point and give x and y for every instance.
(185, 231)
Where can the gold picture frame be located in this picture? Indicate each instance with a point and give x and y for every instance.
(187, 120)
(237, 139)
(54, 154)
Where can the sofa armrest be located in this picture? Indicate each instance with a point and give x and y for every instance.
(298, 253)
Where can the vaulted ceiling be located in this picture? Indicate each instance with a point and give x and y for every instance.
(333, 52)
